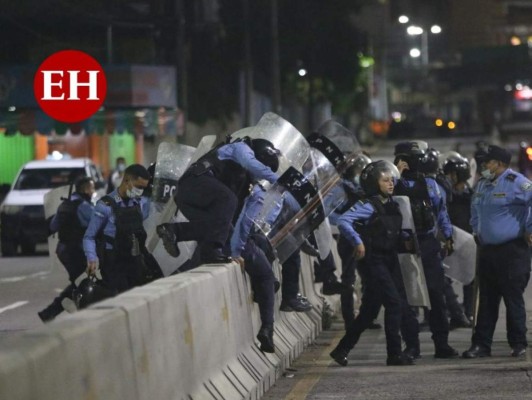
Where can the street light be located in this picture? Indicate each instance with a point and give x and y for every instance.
(414, 30)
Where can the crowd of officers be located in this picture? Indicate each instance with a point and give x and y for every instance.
(221, 194)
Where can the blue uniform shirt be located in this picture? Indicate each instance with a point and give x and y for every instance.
(243, 155)
(84, 213)
(438, 201)
(103, 217)
(501, 210)
(251, 210)
(243, 226)
(361, 211)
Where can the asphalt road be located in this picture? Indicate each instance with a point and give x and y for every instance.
(27, 285)
(314, 376)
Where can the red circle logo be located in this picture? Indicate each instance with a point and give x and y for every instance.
(70, 86)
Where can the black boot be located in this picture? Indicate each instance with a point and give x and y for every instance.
(168, 235)
(265, 337)
(50, 312)
(339, 354)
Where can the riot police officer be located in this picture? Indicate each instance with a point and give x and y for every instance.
(210, 191)
(431, 168)
(458, 171)
(354, 193)
(116, 225)
(248, 243)
(429, 212)
(373, 227)
(71, 221)
(501, 219)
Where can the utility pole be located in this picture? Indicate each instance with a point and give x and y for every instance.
(276, 79)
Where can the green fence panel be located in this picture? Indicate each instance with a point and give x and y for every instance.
(121, 145)
(15, 151)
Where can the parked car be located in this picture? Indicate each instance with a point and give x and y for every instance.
(22, 221)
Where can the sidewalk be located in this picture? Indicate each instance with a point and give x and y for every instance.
(315, 376)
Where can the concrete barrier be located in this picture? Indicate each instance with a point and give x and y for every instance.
(188, 336)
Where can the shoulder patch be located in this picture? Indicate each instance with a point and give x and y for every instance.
(511, 177)
(526, 186)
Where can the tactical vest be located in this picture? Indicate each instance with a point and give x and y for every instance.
(70, 230)
(129, 229)
(382, 232)
(459, 209)
(419, 203)
(230, 173)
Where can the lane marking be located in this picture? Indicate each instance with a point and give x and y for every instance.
(304, 385)
(21, 278)
(12, 306)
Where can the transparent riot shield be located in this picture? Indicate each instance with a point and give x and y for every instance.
(52, 201)
(411, 265)
(298, 203)
(343, 138)
(338, 144)
(461, 264)
(172, 161)
(293, 146)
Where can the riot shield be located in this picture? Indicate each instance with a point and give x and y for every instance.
(292, 144)
(298, 203)
(411, 265)
(343, 138)
(52, 201)
(461, 264)
(172, 161)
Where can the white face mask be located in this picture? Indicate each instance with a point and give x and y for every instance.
(356, 179)
(121, 167)
(134, 192)
(487, 174)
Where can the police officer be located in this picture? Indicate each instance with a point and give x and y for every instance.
(71, 221)
(429, 212)
(211, 190)
(431, 169)
(354, 193)
(501, 218)
(373, 227)
(247, 243)
(117, 226)
(458, 171)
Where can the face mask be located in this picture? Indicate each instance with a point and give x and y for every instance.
(356, 179)
(134, 192)
(487, 174)
(121, 167)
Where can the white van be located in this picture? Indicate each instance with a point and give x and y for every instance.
(22, 221)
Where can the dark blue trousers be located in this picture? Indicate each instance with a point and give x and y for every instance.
(345, 251)
(209, 205)
(504, 272)
(290, 273)
(262, 279)
(432, 266)
(383, 286)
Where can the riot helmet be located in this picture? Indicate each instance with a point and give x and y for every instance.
(458, 164)
(266, 153)
(360, 162)
(90, 290)
(372, 174)
(431, 163)
(413, 152)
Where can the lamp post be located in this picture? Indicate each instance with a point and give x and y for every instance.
(414, 30)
